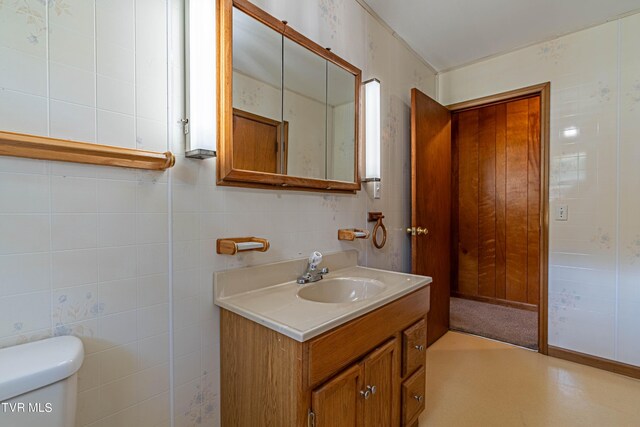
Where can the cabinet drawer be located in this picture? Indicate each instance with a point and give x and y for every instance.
(414, 346)
(413, 397)
(336, 349)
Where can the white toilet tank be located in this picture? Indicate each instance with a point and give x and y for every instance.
(38, 383)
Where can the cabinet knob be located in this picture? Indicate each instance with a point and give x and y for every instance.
(419, 347)
(418, 397)
(365, 394)
(422, 231)
(372, 388)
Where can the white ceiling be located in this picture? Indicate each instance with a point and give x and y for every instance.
(450, 33)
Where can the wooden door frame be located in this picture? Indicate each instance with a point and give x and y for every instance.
(544, 91)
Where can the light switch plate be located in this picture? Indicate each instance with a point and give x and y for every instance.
(562, 212)
(376, 190)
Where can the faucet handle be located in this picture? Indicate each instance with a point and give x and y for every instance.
(315, 259)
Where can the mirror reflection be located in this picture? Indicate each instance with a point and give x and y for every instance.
(257, 101)
(305, 100)
(293, 111)
(341, 115)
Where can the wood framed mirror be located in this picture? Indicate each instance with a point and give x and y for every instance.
(288, 109)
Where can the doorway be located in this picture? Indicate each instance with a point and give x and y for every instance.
(498, 219)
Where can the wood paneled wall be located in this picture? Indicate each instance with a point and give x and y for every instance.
(496, 155)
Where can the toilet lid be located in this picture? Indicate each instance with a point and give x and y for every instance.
(30, 366)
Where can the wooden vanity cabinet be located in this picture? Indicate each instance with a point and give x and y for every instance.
(354, 375)
(362, 395)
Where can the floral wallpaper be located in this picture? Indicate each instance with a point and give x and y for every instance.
(34, 14)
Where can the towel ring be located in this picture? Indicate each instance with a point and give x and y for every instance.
(377, 217)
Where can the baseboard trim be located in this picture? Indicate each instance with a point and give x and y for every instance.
(497, 301)
(595, 361)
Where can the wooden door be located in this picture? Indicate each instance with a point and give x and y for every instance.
(338, 403)
(257, 143)
(431, 204)
(496, 210)
(380, 373)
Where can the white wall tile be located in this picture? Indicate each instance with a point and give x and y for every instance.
(152, 228)
(72, 121)
(153, 259)
(117, 263)
(153, 320)
(72, 48)
(24, 233)
(115, 22)
(71, 268)
(116, 230)
(151, 135)
(23, 72)
(72, 84)
(116, 95)
(24, 273)
(116, 129)
(153, 290)
(117, 296)
(153, 351)
(151, 198)
(118, 362)
(23, 313)
(115, 61)
(118, 329)
(23, 113)
(73, 195)
(151, 382)
(73, 231)
(21, 193)
(116, 196)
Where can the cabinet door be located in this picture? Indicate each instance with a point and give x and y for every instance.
(338, 403)
(380, 379)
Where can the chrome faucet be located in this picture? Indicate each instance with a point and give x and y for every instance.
(312, 274)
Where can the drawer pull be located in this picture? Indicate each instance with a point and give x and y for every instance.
(419, 347)
(418, 397)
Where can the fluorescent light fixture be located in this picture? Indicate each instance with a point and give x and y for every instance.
(571, 132)
(200, 123)
(372, 129)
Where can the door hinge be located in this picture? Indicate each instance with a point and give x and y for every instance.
(311, 419)
(185, 125)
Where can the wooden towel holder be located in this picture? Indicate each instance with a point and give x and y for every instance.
(233, 245)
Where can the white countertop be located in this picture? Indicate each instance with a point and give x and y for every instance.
(278, 307)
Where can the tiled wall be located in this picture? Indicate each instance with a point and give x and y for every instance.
(122, 258)
(84, 249)
(594, 274)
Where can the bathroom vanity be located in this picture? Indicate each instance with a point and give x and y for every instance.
(355, 359)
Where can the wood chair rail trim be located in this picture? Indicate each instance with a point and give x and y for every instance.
(45, 148)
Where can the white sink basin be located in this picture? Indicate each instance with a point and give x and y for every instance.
(341, 290)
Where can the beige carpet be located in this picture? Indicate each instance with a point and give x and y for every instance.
(507, 324)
